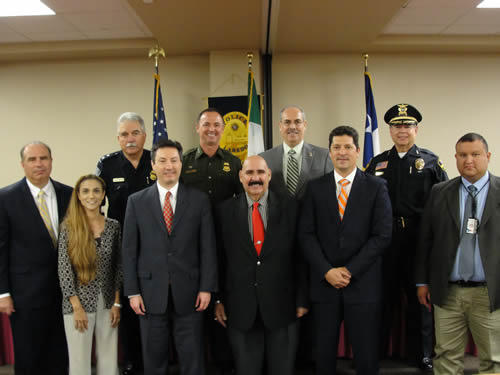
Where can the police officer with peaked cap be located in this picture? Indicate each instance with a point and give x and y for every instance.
(410, 172)
(125, 172)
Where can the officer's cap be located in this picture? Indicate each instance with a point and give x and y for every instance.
(402, 114)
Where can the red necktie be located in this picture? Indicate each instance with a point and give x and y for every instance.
(258, 228)
(168, 213)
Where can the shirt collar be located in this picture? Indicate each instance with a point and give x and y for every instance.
(297, 148)
(349, 177)
(479, 184)
(47, 189)
(200, 152)
(173, 190)
(261, 201)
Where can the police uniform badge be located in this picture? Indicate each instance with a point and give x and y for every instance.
(152, 176)
(440, 163)
(403, 110)
(226, 167)
(419, 164)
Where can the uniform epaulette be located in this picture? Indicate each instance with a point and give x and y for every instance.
(190, 151)
(109, 156)
(426, 151)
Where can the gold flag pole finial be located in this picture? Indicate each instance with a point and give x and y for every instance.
(365, 56)
(250, 57)
(156, 52)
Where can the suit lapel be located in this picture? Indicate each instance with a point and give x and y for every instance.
(273, 221)
(307, 158)
(330, 190)
(357, 189)
(492, 202)
(180, 205)
(60, 202)
(240, 217)
(155, 208)
(453, 202)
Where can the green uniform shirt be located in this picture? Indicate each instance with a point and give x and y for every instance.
(217, 175)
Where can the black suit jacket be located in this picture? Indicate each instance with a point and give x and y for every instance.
(28, 258)
(272, 283)
(153, 259)
(315, 163)
(440, 237)
(356, 242)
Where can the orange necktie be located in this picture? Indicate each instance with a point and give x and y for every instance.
(343, 197)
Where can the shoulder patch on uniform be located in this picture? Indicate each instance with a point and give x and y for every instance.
(381, 165)
(440, 163)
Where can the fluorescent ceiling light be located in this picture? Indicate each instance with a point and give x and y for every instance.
(489, 4)
(13, 8)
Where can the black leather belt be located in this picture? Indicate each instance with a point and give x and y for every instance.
(468, 284)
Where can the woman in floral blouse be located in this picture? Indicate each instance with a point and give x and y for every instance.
(90, 276)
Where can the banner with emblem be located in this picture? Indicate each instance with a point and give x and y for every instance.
(234, 111)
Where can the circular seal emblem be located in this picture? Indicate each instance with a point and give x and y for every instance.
(234, 138)
(152, 176)
(419, 164)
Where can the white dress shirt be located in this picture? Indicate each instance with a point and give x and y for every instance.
(173, 197)
(50, 199)
(298, 156)
(349, 177)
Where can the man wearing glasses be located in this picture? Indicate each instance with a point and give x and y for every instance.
(410, 173)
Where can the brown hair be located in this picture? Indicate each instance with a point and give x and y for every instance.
(81, 242)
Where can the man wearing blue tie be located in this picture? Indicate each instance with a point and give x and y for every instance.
(458, 260)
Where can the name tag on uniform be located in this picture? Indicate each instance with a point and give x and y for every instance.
(119, 179)
(471, 226)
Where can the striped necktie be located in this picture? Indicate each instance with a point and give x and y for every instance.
(343, 197)
(44, 213)
(292, 173)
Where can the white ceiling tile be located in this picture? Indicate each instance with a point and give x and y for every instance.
(472, 29)
(42, 37)
(480, 17)
(114, 34)
(101, 21)
(38, 24)
(77, 6)
(422, 16)
(413, 29)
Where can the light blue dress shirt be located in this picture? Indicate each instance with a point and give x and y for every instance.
(483, 187)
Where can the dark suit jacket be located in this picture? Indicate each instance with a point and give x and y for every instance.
(186, 258)
(357, 242)
(28, 258)
(440, 236)
(315, 163)
(273, 283)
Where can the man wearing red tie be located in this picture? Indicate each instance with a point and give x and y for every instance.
(263, 285)
(344, 228)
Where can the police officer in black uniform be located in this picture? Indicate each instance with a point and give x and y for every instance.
(213, 170)
(410, 173)
(126, 172)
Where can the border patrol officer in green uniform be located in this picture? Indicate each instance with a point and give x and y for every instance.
(125, 172)
(410, 173)
(213, 170)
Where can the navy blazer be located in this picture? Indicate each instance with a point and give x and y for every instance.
(153, 260)
(28, 258)
(357, 242)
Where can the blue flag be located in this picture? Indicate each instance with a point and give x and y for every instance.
(159, 121)
(372, 144)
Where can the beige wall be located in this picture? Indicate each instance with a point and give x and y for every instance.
(456, 94)
(73, 105)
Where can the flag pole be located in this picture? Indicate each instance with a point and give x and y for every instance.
(365, 56)
(250, 57)
(156, 51)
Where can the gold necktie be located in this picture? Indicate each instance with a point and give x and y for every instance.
(44, 213)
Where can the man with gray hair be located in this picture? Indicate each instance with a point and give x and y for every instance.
(125, 172)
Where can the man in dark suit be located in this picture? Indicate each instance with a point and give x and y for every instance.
(344, 228)
(263, 287)
(169, 263)
(30, 213)
(295, 162)
(458, 260)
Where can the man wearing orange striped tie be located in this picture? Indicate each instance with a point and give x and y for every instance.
(345, 227)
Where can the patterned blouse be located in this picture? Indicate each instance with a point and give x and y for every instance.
(108, 275)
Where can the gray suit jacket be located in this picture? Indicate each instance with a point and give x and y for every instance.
(440, 236)
(153, 260)
(315, 163)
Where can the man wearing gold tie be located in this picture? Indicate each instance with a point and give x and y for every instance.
(30, 213)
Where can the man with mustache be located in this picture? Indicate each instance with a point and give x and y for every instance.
(126, 172)
(263, 290)
(410, 172)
